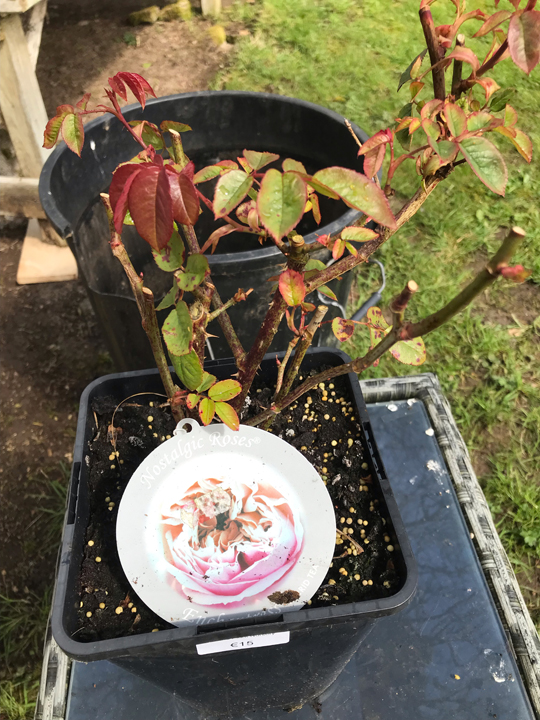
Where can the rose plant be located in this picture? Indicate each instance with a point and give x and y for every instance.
(160, 193)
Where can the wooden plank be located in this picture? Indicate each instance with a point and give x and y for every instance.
(19, 196)
(20, 98)
(16, 6)
(36, 18)
(211, 7)
(41, 262)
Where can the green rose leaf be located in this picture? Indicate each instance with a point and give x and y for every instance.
(228, 415)
(291, 287)
(500, 98)
(149, 133)
(455, 119)
(447, 150)
(73, 132)
(258, 160)
(197, 269)
(225, 390)
(192, 400)
(314, 264)
(207, 382)
(342, 329)
(412, 71)
(178, 331)
(169, 298)
(410, 352)
(358, 192)
(290, 165)
(188, 368)
(478, 121)
(213, 171)
(358, 234)
(281, 202)
(486, 162)
(231, 189)
(54, 126)
(207, 410)
(325, 290)
(171, 257)
(128, 220)
(172, 125)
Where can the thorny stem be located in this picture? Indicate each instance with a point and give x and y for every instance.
(408, 331)
(191, 239)
(283, 365)
(399, 304)
(296, 260)
(409, 209)
(349, 128)
(483, 69)
(493, 60)
(119, 115)
(484, 279)
(357, 366)
(223, 317)
(199, 314)
(228, 330)
(151, 327)
(435, 53)
(458, 67)
(252, 360)
(199, 309)
(305, 341)
(178, 149)
(145, 302)
(232, 301)
(278, 305)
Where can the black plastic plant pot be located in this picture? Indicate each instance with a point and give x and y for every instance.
(224, 124)
(315, 644)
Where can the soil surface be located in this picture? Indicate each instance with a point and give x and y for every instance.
(50, 348)
(79, 56)
(323, 428)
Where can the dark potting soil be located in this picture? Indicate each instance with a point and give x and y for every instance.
(322, 426)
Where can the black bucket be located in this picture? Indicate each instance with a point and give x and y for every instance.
(224, 124)
(319, 641)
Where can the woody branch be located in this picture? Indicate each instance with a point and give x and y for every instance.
(408, 331)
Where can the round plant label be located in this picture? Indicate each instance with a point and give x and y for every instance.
(217, 525)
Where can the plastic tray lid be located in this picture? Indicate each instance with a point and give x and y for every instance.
(218, 525)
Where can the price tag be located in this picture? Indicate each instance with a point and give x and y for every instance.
(244, 643)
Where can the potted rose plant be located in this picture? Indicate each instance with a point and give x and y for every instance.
(159, 194)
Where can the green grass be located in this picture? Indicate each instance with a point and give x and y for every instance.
(17, 699)
(23, 616)
(348, 56)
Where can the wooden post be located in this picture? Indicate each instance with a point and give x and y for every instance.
(36, 18)
(211, 7)
(25, 117)
(20, 98)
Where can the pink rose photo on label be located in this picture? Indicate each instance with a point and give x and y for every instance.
(225, 541)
